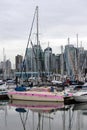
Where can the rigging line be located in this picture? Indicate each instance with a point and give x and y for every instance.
(24, 67)
(39, 120)
(33, 50)
(24, 121)
(71, 120)
(31, 30)
(26, 116)
(29, 36)
(34, 53)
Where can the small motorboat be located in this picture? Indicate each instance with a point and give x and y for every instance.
(3, 90)
(80, 96)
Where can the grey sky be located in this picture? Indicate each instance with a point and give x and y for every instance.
(58, 20)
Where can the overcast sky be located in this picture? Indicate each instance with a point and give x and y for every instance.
(58, 20)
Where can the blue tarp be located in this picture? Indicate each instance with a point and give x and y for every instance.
(20, 88)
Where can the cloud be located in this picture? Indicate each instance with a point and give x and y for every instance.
(58, 19)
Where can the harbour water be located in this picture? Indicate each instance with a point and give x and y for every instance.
(18, 116)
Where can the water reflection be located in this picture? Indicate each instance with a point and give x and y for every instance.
(27, 115)
(36, 105)
(23, 113)
(3, 113)
(42, 109)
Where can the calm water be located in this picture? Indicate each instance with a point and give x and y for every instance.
(38, 116)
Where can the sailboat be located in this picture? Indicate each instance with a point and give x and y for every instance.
(20, 93)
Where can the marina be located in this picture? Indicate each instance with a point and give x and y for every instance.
(42, 90)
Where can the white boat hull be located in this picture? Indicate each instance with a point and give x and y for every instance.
(36, 96)
(80, 98)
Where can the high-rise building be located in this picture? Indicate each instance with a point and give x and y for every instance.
(18, 62)
(29, 60)
(8, 68)
(48, 59)
(53, 63)
(58, 64)
(34, 59)
(70, 56)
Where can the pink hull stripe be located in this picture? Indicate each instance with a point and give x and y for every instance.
(39, 106)
(36, 95)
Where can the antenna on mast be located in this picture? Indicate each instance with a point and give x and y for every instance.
(37, 25)
(68, 40)
(77, 40)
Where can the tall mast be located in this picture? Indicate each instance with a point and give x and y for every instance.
(48, 61)
(77, 57)
(37, 34)
(4, 65)
(29, 38)
(62, 66)
(37, 27)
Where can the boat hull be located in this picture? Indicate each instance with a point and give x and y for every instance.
(80, 98)
(3, 95)
(36, 96)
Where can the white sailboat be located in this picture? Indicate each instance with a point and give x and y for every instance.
(21, 93)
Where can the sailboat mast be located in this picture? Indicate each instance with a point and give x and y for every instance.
(62, 66)
(68, 40)
(37, 34)
(29, 38)
(4, 65)
(48, 62)
(77, 57)
(77, 40)
(37, 27)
